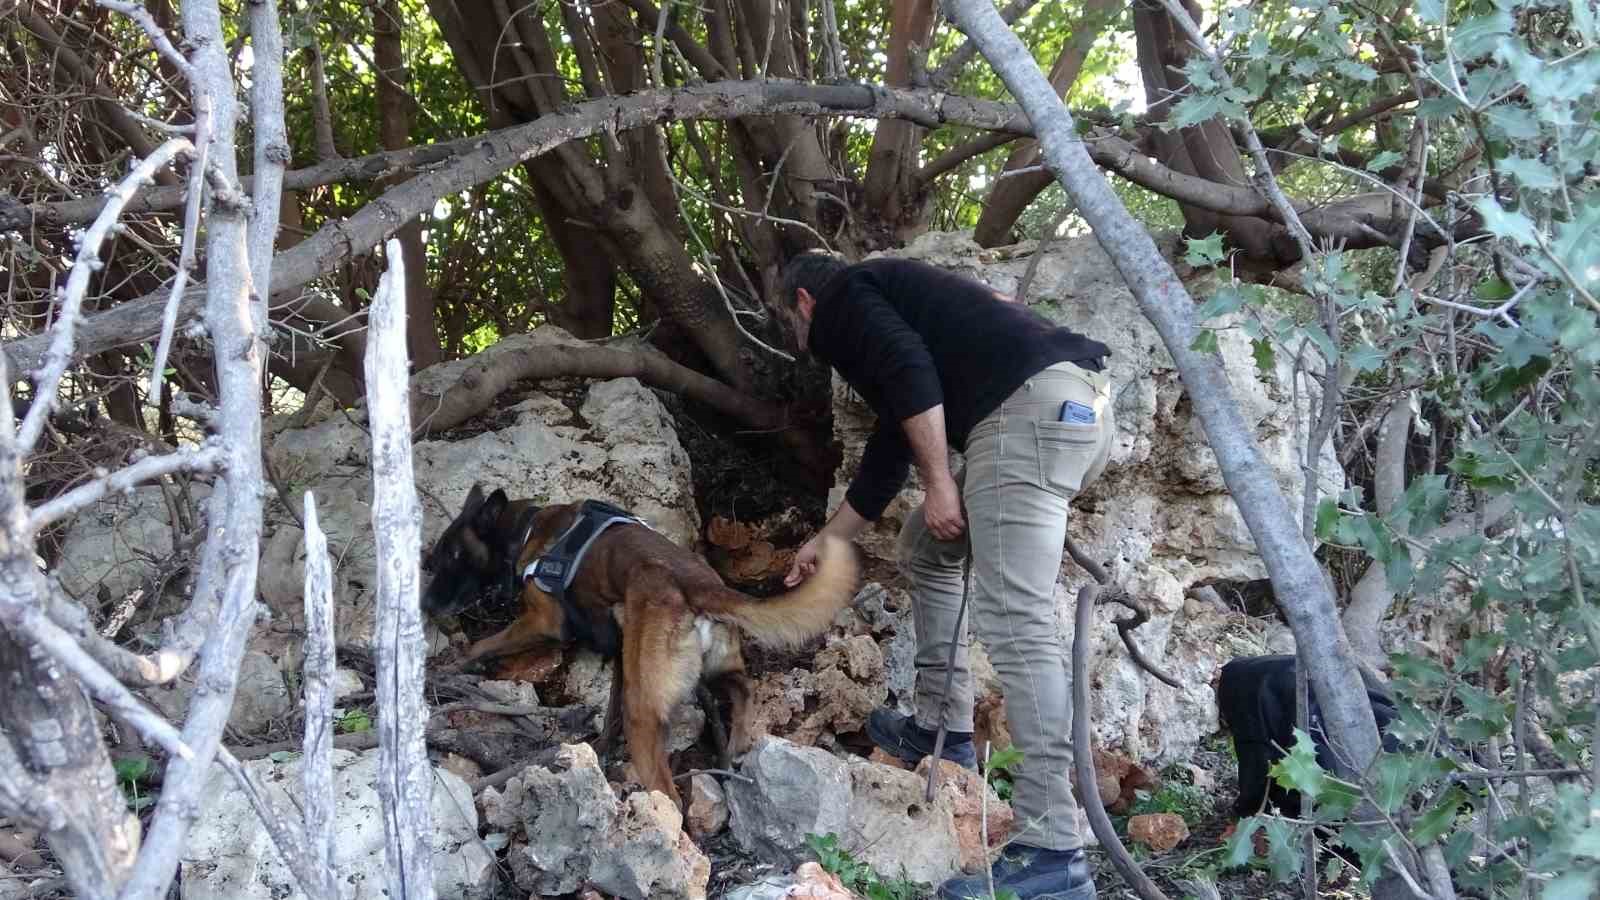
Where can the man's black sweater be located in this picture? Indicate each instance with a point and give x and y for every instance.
(909, 336)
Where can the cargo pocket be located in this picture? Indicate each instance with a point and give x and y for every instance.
(1066, 452)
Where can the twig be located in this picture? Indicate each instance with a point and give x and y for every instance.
(725, 773)
(201, 459)
(1405, 874)
(158, 37)
(315, 882)
(59, 354)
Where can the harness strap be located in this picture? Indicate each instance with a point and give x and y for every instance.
(554, 570)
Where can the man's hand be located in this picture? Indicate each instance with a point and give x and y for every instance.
(805, 563)
(942, 509)
(845, 523)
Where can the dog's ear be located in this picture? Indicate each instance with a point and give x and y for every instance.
(489, 513)
(474, 498)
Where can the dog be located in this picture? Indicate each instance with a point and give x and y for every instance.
(657, 608)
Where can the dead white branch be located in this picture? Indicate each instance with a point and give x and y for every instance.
(200, 459)
(60, 354)
(405, 780)
(319, 666)
(224, 607)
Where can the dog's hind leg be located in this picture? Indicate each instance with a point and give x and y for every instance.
(728, 670)
(661, 670)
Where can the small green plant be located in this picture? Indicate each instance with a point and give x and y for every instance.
(1177, 797)
(860, 877)
(130, 772)
(998, 770)
(352, 721)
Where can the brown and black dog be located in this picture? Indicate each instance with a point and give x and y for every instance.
(658, 606)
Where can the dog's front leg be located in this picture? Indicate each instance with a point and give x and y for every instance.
(611, 732)
(719, 737)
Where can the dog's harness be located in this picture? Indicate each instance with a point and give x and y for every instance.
(554, 570)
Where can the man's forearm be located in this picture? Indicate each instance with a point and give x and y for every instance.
(846, 522)
(925, 432)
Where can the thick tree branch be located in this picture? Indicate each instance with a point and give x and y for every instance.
(200, 459)
(480, 384)
(479, 159)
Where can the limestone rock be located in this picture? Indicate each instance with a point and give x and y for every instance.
(260, 696)
(229, 856)
(794, 791)
(1158, 831)
(809, 880)
(891, 825)
(571, 831)
(707, 811)
(975, 815)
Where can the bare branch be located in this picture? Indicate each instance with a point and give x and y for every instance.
(199, 459)
(271, 141)
(319, 668)
(965, 53)
(158, 37)
(60, 353)
(405, 780)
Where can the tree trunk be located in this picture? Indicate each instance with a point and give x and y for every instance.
(394, 133)
(1012, 193)
(1206, 150)
(891, 183)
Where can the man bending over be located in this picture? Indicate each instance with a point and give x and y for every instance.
(946, 362)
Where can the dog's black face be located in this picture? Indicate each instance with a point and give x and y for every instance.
(468, 560)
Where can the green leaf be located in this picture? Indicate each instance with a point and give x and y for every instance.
(1432, 12)
(1240, 847)
(1204, 342)
(1530, 173)
(1439, 819)
(1481, 34)
(1206, 251)
(1364, 357)
(1383, 161)
(1578, 884)
(1398, 569)
(1508, 224)
(1327, 518)
(1298, 769)
(1227, 299)
(1265, 357)
(1358, 71)
(1477, 650)
(1283, 849)
(1494, 290)
(1392, 782)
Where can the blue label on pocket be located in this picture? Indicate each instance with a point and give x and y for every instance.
(1077, 413)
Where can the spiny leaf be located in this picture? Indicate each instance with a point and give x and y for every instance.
(1240, 845)
(1206, 251)
(1283, 849)
(1266, 359)
(1298, 769)
(1383, 161)
(1227, 299)
(1204, 342)
(1437, 821)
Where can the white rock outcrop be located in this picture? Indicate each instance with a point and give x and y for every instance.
(229, 855)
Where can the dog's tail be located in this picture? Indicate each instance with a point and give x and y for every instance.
(794, 617)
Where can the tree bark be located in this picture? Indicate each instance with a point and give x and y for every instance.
(1296, 577)
(1012, 193)
(394, 133)
(405, 780)
(320, 662)
(891, 183)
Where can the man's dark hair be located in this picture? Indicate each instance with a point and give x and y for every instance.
(810, 270)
